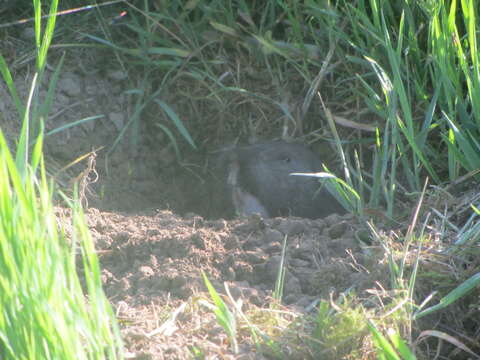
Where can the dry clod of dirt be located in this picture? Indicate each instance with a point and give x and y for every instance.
(69, 83)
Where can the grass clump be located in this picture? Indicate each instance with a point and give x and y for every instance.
(393, 85)
(46, 313)
(337, 334)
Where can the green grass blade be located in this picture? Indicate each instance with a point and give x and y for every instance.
(384, 349)
(400, 345)
(47, 35)
(176, 121)
(7, 77)
(73, 124)
(280, 280)
(454, 295)
(224, 316)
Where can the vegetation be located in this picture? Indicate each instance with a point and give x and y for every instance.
(44, 309)
(47, 310)
(405, 74)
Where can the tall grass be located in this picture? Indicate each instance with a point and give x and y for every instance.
(46, 310)
(453, 37)
(411, 66)
(425, 57)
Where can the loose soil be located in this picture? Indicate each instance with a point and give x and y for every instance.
(152, 266)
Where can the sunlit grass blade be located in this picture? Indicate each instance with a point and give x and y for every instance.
(280, 280)
(73, 124)
(7, 77)
(40, 274)
(385, 350)
(176, 121)
(43, 42)
(395, 349)
(454, 295)
(401, 346)
(224, 316)
(46, 105)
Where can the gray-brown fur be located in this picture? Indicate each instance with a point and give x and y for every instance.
(256, 178)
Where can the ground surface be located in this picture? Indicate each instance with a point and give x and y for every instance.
(152, 265)
(146, 212)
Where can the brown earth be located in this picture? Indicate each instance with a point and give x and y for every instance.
(152, 266)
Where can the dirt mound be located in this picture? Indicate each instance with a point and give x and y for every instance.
(152, 264)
